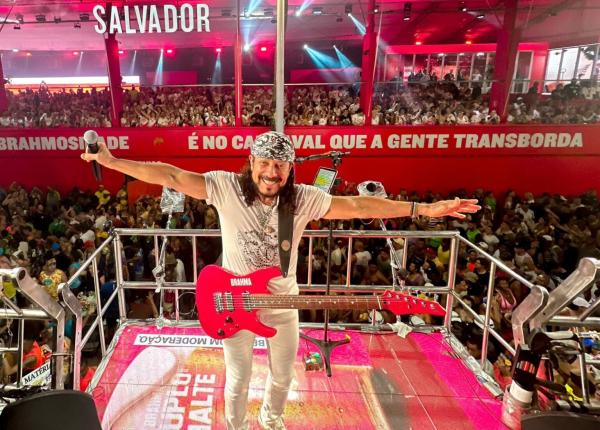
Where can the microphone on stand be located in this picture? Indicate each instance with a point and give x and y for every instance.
(91, 139)
(330, 154)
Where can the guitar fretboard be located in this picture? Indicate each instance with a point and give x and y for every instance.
(258, 301)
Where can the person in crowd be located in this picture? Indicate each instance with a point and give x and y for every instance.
(51, 277)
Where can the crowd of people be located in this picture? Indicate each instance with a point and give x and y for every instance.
(43, 108)
(541, 237)
(419, 102)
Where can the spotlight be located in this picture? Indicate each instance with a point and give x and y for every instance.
(317, 10)
(298, 12)
(226, 12)
(17, 27)
(305, 46)
(20, 18)
(28, 54)
(480, 54)
(121, 52)
(376, 9)
(57, 19)
(15, 50)
(77, 25)
(218, 50)
(263, 49)
(247, 47)
(462, 7)
(75, 53)
(418, 42)
(407, 11)
(40, 18)
(480, 15)
(169, 51)
(468, 42)
(348, 8)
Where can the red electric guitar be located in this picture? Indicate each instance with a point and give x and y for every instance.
(228, 303)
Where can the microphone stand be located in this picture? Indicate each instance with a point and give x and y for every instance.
(325, 345)
(171, 201)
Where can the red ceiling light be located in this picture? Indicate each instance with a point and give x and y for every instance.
(75, 52)
(263, 49)
(121, 52)
(468, 42)
(169, 51)
(28, 54)
(218, 50)
(418, 42)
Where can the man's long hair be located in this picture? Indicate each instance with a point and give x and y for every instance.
(287, 194)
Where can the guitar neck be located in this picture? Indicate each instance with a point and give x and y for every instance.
(258, 301)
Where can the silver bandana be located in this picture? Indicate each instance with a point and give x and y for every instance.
(273, 145)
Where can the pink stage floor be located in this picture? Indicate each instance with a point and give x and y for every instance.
(173, 378)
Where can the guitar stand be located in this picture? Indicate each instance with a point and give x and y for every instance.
(326, 345)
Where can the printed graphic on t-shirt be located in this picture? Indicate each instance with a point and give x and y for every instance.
(258, 251)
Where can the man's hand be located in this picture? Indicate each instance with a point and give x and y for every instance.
(103, 156)
(455, 208)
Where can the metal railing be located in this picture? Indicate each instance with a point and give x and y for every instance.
(46, 309)
(115, 239)
(350, 235)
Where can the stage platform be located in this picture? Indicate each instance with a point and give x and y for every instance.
(173, 378)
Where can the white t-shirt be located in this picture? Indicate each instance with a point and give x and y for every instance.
(247, 244)
(363, 258)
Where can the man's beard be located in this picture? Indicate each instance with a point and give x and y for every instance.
(271, 195)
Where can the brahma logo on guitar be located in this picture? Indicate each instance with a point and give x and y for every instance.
(241, 282)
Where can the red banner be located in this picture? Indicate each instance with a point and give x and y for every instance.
(533, 158)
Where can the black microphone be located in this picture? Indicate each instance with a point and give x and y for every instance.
(330, 154)
(91, 139)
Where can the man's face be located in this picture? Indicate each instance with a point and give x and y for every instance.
(269, 175)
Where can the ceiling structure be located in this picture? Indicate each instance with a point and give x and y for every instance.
(559, 22)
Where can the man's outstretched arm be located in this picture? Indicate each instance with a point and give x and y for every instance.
(190, 183)
(377, 207)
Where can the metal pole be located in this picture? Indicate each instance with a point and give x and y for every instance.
(310, 265)
(119, 280)
(583, 374)
(280, 65)
(237, 64)
(59, 354)
(349, 262)
(451, 282)
(195, 257)
(99, 307)
(404, 252)
(20, 354)
(488, 309)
